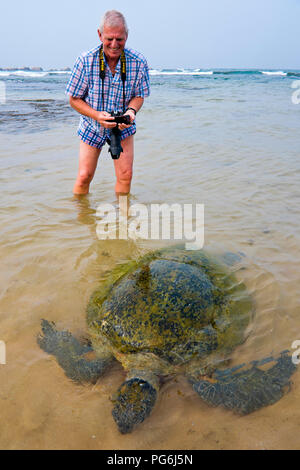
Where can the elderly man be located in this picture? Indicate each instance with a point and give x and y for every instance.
(96, 95)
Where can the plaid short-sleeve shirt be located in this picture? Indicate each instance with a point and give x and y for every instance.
(85, 83)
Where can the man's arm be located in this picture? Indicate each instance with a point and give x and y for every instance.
(100, 116)
(135, 103)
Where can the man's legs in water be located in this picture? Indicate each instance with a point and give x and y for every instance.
(88, 159)
(123, 166)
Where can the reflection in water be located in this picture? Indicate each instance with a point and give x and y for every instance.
(86, 214)
(105, 253)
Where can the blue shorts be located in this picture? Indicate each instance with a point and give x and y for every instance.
(90, 136)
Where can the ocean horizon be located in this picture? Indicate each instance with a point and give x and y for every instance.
(39, 72)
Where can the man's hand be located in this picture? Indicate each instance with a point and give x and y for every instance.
(103, 118)
(131, 114)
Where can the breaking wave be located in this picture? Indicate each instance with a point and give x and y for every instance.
(280, 73)
(199, 71)
(31, 74)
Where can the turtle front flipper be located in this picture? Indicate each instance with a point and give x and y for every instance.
(70, 353)
(133, 403)
(247, 390)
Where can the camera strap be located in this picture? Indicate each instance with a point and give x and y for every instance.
(102, 74)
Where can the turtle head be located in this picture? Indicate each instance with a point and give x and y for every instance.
(133, 403)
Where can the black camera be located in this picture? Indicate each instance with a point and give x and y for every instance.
(114, 141)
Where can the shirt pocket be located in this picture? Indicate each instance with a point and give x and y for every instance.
(94, 96)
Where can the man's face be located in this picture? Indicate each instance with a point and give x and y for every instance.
(114, 39)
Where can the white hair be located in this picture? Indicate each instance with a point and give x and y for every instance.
(113, 18)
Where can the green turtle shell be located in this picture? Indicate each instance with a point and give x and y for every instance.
(173, 303)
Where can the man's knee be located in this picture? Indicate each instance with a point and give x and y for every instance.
(125, 176)
(85, 176)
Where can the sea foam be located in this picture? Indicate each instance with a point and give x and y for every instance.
(180, 72)
(280, 73)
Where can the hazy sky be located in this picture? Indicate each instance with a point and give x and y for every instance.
(187, 33)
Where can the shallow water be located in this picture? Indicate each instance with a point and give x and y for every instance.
(232, 145)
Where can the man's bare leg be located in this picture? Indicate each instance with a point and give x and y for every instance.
(123, 166)
(88, 159)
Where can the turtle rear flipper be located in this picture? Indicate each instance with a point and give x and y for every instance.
(133, 403)
(69, 353)
(245, 391)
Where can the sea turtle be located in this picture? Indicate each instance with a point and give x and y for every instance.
(172, 311)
